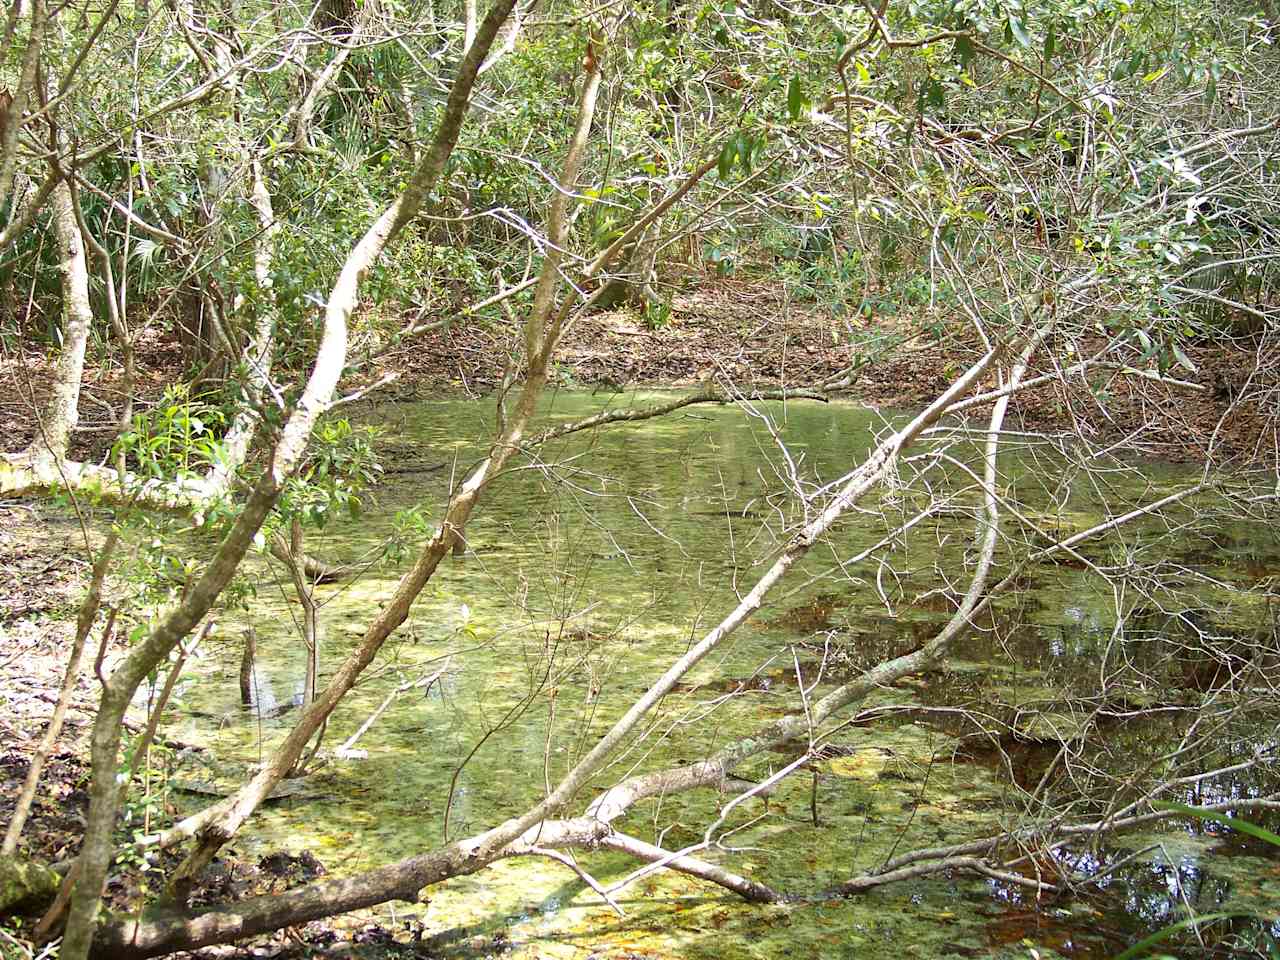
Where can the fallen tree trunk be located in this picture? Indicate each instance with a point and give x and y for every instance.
(28, 474)
(315, 569)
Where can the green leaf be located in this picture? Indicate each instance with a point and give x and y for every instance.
(1140, 948)
(965, 51)
(864, 75)
(795, 98)
(758, 144)
(1019, 31)
(725, 164)
(1243, 826)
(1050, 42)
(1182, 358)
(934, 94)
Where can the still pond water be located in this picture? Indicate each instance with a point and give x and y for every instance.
(591, 568)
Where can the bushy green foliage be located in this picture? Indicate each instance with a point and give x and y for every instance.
(341, 466)
(177, 437)
(1053, 131)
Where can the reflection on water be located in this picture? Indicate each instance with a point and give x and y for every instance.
(1132, 897)
(590, 568)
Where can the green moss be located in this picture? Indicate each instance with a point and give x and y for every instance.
(25, 886)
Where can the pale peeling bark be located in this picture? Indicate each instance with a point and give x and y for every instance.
(22, 475)
(469, 19)
(62, 413)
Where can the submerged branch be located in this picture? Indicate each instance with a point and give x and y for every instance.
(708, 394)
(315, 569)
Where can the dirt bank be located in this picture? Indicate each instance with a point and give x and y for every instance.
(749, 334)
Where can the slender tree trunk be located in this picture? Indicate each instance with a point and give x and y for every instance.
(355, 25)
(468, 25)
(239, 437)
(248, 693)
(294, 558)
(62, 413)
(11, 113)
(220, 823)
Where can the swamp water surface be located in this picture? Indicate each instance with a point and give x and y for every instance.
(589, 570)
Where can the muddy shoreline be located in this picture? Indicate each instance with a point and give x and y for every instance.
(747, 335)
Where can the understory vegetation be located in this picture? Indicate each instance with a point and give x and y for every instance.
(446, 424)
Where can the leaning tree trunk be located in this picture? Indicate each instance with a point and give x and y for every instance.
(220, 823)
(176, 623)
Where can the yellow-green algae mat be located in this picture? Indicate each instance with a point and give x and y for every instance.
(543, 549)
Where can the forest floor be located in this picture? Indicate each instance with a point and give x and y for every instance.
(739, 332)
(747, 334)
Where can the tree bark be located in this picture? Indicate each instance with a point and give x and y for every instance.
(248, 695)
(258, 357)
(62, 413)
(468, 25)
(12, 114)
(351, 34)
